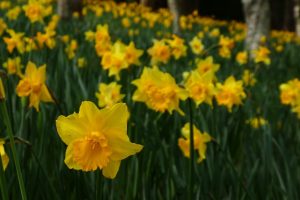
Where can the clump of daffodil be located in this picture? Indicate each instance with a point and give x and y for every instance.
(160, 52)
(33, 85)
(200, 87)
(226, 45)
(158, 90)
(230, 93)
(257, 122)
(248, 78)
(242, 57)
(207, 65)
(15, 41)
(13, 65)
(109, 94)
(178, 48)
(36, 11)
(2, 91)
(102, 40)
(262, 55)
(196, 45)
(96, 139)
(200, 142)
(4, 157)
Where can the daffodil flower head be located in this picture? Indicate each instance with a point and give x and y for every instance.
(96, 139)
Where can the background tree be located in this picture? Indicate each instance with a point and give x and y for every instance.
(257, 17)
(297, 16)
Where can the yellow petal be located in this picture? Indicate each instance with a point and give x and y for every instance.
(122, 149)
(89, 111)
(69, 159)
(45, 94)
(111, 170)
(70, 128)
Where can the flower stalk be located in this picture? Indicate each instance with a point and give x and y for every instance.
(192, 159)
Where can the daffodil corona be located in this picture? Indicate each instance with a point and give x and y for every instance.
(96, 139)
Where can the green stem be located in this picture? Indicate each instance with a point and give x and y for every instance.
(3, 187)
(192, 160)
(7, 123)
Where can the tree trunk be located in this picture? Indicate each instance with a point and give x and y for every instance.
(297, 16)
(179, 8)
(257, 16)
(63, 8)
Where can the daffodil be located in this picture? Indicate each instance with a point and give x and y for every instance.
(96, 139)
(15, 41)
(158, 90)
(159, 52)
(200, 87)
(257, 122)
(109, 94)
(200, 140)
(4, 156)
(248, 78)
(206, 65)
(230, 93)
(13, 66)
(290, 92)
(33, 85)
(178, 48)
(132, 54)
(262, 55)
(242, 57)
(196, 45)
(34, 10)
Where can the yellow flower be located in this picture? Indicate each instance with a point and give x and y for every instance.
(200, 140)
(262, 55)
(159, 52)
(158, 90)
(230, 93)
(196, 45)
(178, 48)
(96, 138)
(33, 85)
(15, 41)
(89, 36)
(71, 48)
(132, 54)
(206, 65)
(4, 156)
(257, 122)
(34, 10)
(248, 78)
(13, 13)
(2, 91)
(290, 92)
(242, 57)
(3, 26)
(226, 44)
(13, 65)
(115, 59)
(126, 22)
(81, 62)
(200, 87)
(47, 38)
(109, 94)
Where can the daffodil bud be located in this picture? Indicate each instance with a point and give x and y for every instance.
(2, 91)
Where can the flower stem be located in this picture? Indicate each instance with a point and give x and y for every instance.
(3, 187)
(192, 160)
(7, 123)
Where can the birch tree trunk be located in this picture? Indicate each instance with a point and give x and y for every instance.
(63, 8)
(257, 16)
(297, 16)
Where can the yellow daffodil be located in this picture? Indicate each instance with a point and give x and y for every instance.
(13, 66)
(262, 55)
(81, 62)
(71, 49)
(200, 140)
(2, 91)
(159, 52)
(15, 41)
(33, 85)
(34, 10)
(96, 138)
(3, 26)
(178, 48)
(248, 78)
(200, 87)
(13, 13)
(109, 94)
(196, 45)
(230, 93)
(4, 156)
(290, 92)
(206, 65)
(158, 90)
(257, 122)
(132, 54)
(242, 57)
